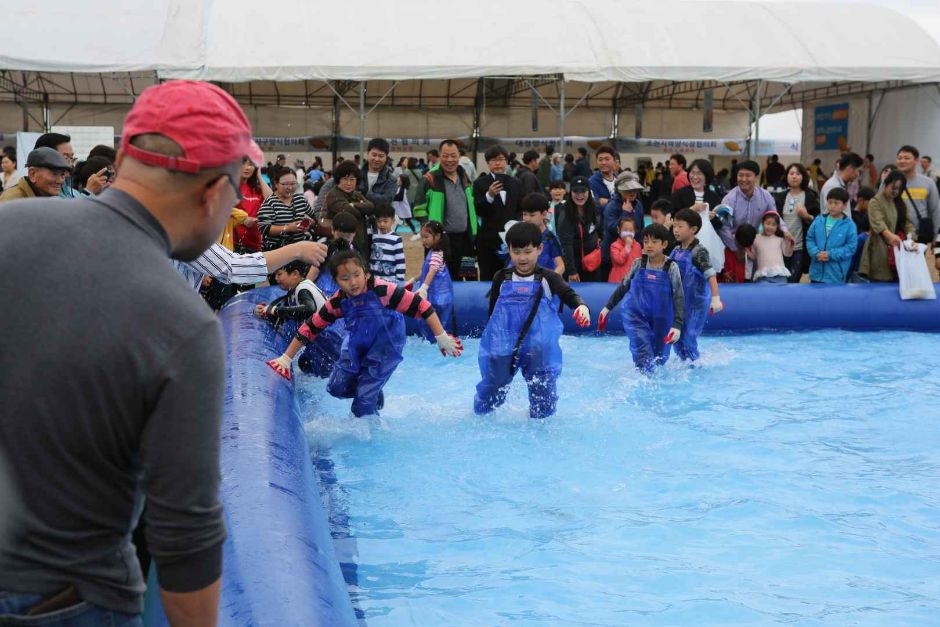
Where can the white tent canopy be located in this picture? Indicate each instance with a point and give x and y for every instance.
(581, 40)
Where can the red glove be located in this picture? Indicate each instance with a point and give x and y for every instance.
(673, 336)
(582, 316)
(449, 344)
(602, 319)
(281, 365)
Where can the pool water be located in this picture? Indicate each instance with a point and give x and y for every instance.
(791, 478)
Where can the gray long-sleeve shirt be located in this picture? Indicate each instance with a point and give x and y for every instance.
(675, 281)
(111, 380)
(921, 199)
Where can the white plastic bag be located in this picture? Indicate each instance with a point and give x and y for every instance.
(708, 238)
(913, 274)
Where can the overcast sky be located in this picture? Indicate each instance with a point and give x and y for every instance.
(787, 124)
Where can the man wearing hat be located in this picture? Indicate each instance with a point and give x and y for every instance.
(625, 203)
(120, 400)
(46, 171)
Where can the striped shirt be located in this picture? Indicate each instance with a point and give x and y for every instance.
(390, 295)
(388, 257)
(273, 212)
(222, 264)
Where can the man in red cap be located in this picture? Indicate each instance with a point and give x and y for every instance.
(119, 398)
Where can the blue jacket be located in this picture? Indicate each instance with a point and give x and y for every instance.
(613, 213)
(598, 188)
(385, 186)
(840, 244)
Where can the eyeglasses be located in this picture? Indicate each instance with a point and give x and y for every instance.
(238, 191)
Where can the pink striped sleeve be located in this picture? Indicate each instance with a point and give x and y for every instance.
(437, 260)
(401, 300)
(327, 315)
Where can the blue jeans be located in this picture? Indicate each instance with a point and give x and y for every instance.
(13, 608)
(772, 279)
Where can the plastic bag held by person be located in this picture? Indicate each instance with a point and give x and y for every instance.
(913, 275)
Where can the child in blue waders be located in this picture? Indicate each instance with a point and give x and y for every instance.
(653, 313)
(696, 269)
(523, 327)
(434, 282)
(302, 300)
(372, 309)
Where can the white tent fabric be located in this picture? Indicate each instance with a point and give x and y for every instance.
(103, 35)
(585, 40)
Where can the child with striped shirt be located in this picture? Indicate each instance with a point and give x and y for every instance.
(373, 310)
(387, 260)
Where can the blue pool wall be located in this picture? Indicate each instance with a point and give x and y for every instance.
(751, 308)
(280, 566)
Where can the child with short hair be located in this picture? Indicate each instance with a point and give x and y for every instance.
(769, 248)
(696, 269)
(661, 213)
(434, 282)
(388, 252)
(737, 270)
(535, 211)
(523, 327)
(623, 251)
(654, 312)
(557, 191)
(831, 241)
(372, 309)
(302, 300)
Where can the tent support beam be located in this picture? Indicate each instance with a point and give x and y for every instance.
(379, 101)
(562, 114)
(477, 114)
(362, 117)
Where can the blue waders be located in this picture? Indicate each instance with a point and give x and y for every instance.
(695, 288)
(647, 317)
(539, 355)
(441, 295)
(370, 353)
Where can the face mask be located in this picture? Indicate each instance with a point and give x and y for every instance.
(626, 233)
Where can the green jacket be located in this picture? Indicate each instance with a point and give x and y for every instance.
(432, 203)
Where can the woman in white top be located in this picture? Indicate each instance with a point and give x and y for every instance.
(8, 172)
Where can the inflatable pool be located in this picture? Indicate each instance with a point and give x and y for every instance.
(280, 565)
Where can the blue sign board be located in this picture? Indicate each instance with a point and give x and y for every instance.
(832, 127)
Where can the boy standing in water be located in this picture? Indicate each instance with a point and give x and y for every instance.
(653, 314)
(696, 269)
(523, 328)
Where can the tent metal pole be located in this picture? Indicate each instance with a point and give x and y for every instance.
(46, 114)
(362, 118)
(757, 118)
(561, 115)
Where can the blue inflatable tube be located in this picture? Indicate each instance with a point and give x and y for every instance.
(751, 308)
(280, 567)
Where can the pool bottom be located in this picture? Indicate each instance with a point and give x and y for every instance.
(789, 478)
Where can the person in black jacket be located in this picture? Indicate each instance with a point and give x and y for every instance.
(496, 197)
(526, 173)
(579, 231)
(798, 206)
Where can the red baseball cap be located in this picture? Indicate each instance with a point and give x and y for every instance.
(202, 118)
